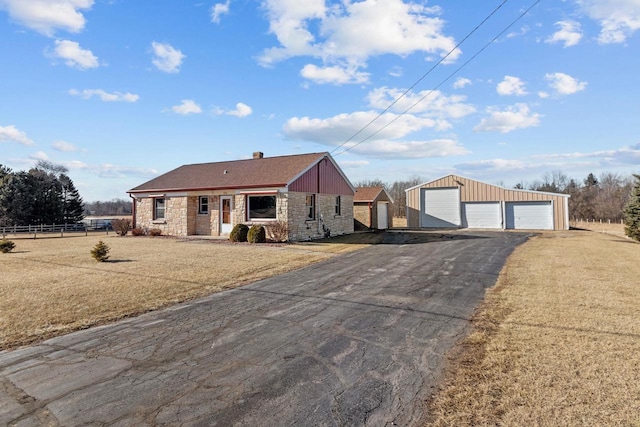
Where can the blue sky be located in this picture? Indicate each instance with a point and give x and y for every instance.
(120, 91)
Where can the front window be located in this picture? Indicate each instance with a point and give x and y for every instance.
(158, 208)
(338, 206)
(203, 205)
(310, 205)
(262, 207)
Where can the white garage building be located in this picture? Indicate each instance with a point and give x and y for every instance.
(457, 202)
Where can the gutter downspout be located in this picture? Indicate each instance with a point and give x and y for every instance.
(133, 211)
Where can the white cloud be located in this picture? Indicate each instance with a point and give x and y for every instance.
(626, 155)
(387, 143)
(39, 155)
(618, 19)
(167, 58)
(461, 82)
(429, 104)
(107, 170)
(494, 165)
(218, 10)
(514, 117)
(64, 146)
(511, 86)
(12, 134)
(521, 32)
(104, 95)
(73, 55)
(242, 110)
(353, 164)
(334, 74)
(564, 84)
(396, 72)
(48, 16)
(570, 33)
(310, 28)
(188, 106)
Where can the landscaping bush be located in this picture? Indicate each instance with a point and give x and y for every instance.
(137, 231)
(239, 233)
(257, 234)
(154, 232)
(279, 231)
(100, 251)
(121, 226)
(6, 246)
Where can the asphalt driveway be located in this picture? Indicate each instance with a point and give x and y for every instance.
(356, 340)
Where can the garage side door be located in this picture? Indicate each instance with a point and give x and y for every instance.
(481, 215)
(383, 215)
(440, 207)
(529, 215)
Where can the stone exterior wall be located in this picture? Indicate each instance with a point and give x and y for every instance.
(182, 217)
(326, 222)
(176, 220)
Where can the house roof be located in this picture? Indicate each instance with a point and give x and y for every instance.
(369, 194)
(485, 183)
(251, 173)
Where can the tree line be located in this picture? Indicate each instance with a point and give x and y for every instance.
(592, 198)
(44, 194)
(120, 207)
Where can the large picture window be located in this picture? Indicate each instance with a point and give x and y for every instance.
(158, 208)
(310, 205)
(262, 207)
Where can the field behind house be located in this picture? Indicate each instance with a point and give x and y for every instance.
(557, 341)
(50, 286)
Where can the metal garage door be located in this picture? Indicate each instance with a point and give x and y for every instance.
(482, 215)
(383, 215)
(440, 207)
(530, 215)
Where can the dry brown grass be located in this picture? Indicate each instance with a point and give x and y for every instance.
(557, 341)
(52, 286)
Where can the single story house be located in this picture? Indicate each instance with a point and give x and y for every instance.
(458, 202)
(373, 208)
(308, 191)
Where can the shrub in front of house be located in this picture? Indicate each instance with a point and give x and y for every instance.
(155, 232)
(121, 226)
(239, 233)
(137, 231)
(278, 230)
(257, 234)
(6, 246)
(100, 251)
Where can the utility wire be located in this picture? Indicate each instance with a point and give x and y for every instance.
(436, 87)
(423, 76)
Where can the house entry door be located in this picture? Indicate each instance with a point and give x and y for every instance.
(225, 215)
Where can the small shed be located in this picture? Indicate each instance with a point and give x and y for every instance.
(372, 208)
(457, 202)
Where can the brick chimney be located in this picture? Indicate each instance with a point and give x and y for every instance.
(258, 155)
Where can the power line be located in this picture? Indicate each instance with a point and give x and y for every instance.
(439, 84)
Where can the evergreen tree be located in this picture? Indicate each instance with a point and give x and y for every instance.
(632, 212)
(43, 195)
(73, 206)
(17, 199)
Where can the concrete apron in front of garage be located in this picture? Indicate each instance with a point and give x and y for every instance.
(356, 340)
